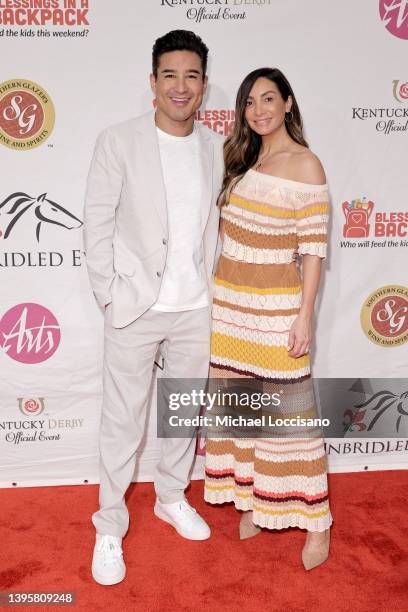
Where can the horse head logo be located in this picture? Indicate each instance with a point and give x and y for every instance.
(383, 401)
(45, 210)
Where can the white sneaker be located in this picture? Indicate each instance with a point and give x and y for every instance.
(108, 566)
(185, 519)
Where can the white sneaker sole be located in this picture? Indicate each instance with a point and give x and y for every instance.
(189, 536)
(108, 581)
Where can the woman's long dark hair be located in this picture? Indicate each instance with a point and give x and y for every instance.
(241, 148)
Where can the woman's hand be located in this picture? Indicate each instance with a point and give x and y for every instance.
(300, 335)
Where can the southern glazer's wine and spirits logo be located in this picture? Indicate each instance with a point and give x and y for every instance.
(394, 15)
(361, 222)
(387, 120)
(31, 406)
(29, 333)
(364, 416)
(27, 114)
(215, 10)
(19, 205)
(384, 316)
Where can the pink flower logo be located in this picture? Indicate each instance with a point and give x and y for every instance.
(400, 90)
(394, 15)
(29, 333)
(31, 406)
(403, 91)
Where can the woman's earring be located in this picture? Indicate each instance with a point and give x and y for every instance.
(289, 117)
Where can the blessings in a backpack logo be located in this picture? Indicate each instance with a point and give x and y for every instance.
(361, 221)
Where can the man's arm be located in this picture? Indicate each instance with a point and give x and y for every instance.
(102, 198)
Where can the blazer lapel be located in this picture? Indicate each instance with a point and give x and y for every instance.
(206, 162)
(153, 168)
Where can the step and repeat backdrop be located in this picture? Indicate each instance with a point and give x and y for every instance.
(68, 69)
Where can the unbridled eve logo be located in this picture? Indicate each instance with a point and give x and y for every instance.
(384, 316)
(27, 114)
(394, 15)
(29, 333)
(19, 205)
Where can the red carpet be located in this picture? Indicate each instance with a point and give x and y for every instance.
(46, 543)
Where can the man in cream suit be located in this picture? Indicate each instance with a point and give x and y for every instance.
(151, 226)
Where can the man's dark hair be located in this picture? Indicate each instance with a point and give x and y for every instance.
(179, 40)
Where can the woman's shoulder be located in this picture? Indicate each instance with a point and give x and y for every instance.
(307, 167)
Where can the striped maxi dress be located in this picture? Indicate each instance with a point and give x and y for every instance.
(258, 292)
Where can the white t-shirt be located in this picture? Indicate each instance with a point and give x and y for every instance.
(184, 285)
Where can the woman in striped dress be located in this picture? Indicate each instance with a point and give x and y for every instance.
(274, 212)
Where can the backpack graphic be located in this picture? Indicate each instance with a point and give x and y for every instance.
(357, 213)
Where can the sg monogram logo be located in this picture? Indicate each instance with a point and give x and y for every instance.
(16, 112)
(393, 313)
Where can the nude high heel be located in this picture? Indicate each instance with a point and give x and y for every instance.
(315, 554)
(247, 529)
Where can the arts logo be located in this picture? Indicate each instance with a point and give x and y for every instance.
(364, 416)
(27, 114)
(384, 316)
(400, 91)
(31, 406)
(19, 205)
(357, 214)
(394, 15)
(29, 333)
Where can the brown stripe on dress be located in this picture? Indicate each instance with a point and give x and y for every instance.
(226, 447)
(260, 241)
(316, 467)
(312, 238)
(259, 276)
(257, 311)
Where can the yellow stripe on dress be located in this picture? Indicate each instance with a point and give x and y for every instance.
(292, 511)
(259, 291)
(256, 354)
(263, 209)
(284, 213)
